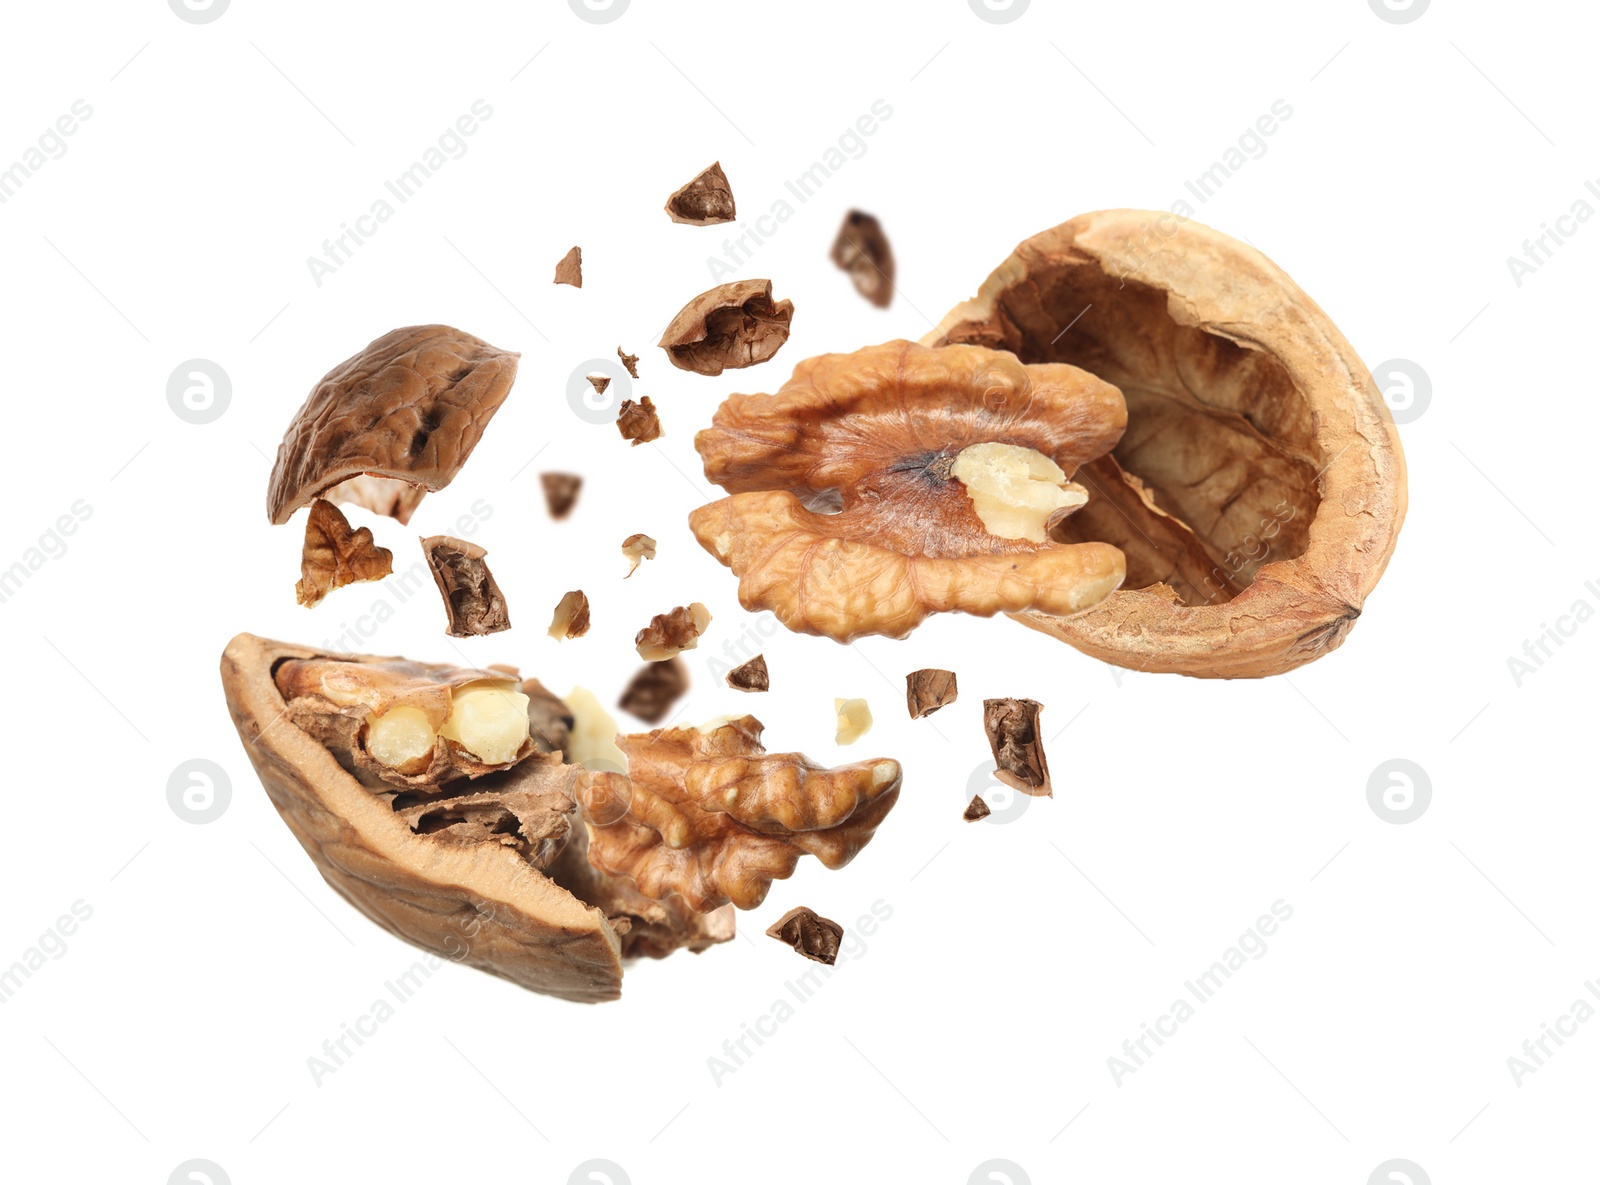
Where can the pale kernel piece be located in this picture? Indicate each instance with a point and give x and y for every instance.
(1015, 491)
(636, 548)
(489, 721)
(594, 734)
(571, 619)
(855, 720)
(402, 738)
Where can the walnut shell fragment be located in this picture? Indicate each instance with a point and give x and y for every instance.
(703, 201)
(929, 690)
(1260, 488)
(1013, 728)
(391, 423)
(473, 602)
(815, 937)
(638, 421)
(630, 363)
(654, 688)
(750, 676)
(570, 268)
(728, 328)
(672, 632)
(884, 428)
(560, 493)
(976, 809)
(481, 903)
(862, 249)
(711, 817)
(599, 382)
(571, 618)
(334, 555)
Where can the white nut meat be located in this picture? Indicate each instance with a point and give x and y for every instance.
(488, 720)
(1016, 491)
(855, 719)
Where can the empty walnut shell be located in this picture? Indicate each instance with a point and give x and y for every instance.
(481, 904)
(881, 429)
(1260, 487)
(392, 423)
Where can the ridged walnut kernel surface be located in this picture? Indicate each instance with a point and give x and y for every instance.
(395, 421)
(1260, 488)
(879, 430)
(712, 817)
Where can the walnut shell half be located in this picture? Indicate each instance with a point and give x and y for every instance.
(1260, 487)
(477, 903)
(388, 425)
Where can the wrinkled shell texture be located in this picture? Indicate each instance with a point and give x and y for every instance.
(711, 817)
(1260, 488)
(481, 904)
(882, 427)
(728, 327)
(411, 407)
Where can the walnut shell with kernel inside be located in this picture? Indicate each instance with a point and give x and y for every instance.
(1260, 487)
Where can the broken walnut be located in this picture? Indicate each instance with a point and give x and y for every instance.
(1013, 728)
(750, 676)
(636, 548)
(480, 864)
(560, 493)
(705, 200)
(571, 618)
(712, 817)
(729, 327)
(383, 428)
(599, 382)
(654, 688)
(862, 249)
(334, 555)
(817, 938)
(1260, 487)
(638, 422)
(885, 429)
(672, 632)
(630, 363)
(929, 690)
(473, 602)
(570, 269)
(976, 809)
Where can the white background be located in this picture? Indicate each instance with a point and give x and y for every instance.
(1019, 957)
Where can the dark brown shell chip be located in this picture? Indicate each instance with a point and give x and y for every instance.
(391, 423)
(705, 200)
(630, 363)
(817, 938)
(654, 688)
(752, 676)
(560, 492)
(929, 690)
(1013, 728)
(862, 249)
(727, 328)
(473, 602)
(976, 809)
